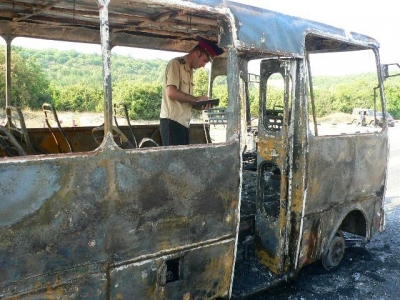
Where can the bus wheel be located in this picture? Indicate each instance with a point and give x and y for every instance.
(334, 253)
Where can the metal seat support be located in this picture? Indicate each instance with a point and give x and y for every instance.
(22, 131)
(47, 109)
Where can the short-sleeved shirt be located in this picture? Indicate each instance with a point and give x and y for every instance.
(179, 74)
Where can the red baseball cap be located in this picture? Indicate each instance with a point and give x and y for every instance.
(211, 48)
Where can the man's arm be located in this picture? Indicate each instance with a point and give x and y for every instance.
(175, 94)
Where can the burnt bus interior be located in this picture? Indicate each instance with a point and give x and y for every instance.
(158, 27)
(168, 27)
(131, 24)
(179, 241)
(53, 138)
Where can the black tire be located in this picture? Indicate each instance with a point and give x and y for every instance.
(334, 253)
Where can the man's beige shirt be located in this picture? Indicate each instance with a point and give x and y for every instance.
(179, 74)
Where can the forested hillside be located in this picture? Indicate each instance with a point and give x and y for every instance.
(73, 81)
(66, 68)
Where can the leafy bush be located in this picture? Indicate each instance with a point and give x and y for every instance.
(79, 97)
(143, 99)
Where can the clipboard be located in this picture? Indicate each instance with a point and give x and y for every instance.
(200, 104)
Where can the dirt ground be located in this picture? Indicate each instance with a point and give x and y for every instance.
(36, 119)
(372, 272)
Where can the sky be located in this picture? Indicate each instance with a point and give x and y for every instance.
(377, 19)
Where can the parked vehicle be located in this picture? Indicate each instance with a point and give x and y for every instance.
(371, 117)
(389, 119)
(93, 213)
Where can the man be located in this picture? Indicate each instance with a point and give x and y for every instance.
(362, 117)
(177, 101)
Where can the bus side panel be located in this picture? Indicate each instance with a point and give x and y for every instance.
(318, 227)
(89, 286)
(345, 174)
(110, 208)
(345, 168)
(154, 279)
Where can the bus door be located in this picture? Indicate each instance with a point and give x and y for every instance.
(273, 156)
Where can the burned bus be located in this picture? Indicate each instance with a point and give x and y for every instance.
(107, 212)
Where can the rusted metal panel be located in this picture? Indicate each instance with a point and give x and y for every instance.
(310, 246)
(272, 202)
(345, 165)
(320, 227)
(106, 59)
(298, 165)
(79, 282)
(343, 177)
(214, 260)
(281, 153)
(174, 25)
(148, 24)
(8, 40)
(272, 149)
(106, 209)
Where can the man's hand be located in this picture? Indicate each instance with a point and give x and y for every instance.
(175, 94)
(203, 107)
(207, 106)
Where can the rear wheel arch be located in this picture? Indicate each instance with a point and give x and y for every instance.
(354, 222)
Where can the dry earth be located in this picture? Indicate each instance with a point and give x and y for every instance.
(36, 119)
(67, 119)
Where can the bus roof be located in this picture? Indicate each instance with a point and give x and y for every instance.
(174, 24)
(278, 33)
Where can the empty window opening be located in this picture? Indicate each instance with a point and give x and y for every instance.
(173, 270)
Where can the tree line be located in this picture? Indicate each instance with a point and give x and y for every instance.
(72, 81)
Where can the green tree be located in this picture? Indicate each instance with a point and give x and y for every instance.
(392, 92)
(200, 81)
(221, 92)
(29, 84)
(323, 100)
(254, 99)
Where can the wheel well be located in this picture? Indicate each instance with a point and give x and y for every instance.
(355, 223)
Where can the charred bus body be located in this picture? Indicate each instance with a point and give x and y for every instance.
(84, 220)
